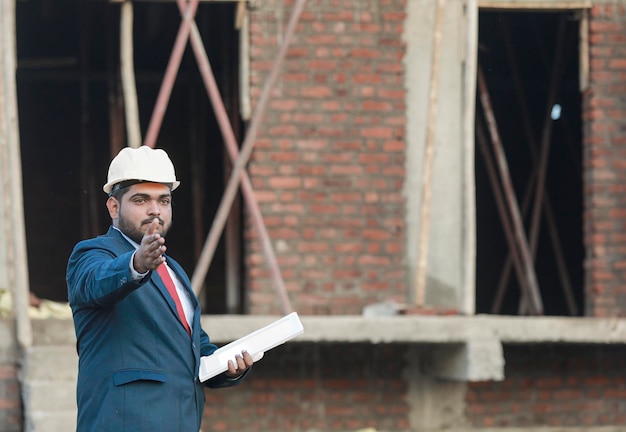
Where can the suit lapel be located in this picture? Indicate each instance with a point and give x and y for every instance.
(176, 268)
(156, 280)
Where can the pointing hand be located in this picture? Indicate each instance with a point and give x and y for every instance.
(149, 256)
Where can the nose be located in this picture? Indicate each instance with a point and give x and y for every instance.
(153, 208)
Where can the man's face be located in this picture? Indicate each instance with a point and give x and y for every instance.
(139, 206)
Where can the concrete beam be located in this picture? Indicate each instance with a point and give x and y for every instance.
(431, 329)
(475, 360)
(459, 348)
(397, 329)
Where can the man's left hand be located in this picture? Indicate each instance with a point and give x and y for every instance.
(242, 363)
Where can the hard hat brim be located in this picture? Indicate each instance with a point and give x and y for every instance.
(109, 186)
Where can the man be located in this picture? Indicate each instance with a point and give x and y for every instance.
(139, 338)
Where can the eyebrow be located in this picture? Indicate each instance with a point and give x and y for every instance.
(145, 195)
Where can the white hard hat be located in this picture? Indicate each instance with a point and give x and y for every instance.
(143, 164)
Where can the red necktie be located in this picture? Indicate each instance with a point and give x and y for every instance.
(171, 288)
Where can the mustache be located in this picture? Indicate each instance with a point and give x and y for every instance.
(149, 221)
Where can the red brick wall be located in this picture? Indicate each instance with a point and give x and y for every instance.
(328, 166)
(553, 386)
(604, 114)
(10, 393)
(10, 400)
(325, 387)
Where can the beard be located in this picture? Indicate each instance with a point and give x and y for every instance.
(134, 232)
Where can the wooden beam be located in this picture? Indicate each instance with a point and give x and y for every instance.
(498, 195)
(535, 4)
(584, 50)
(245, 106)
(518, 226)
(431, 123)
(174, 1)
(236, 175)
(127, 65)
(531, 183)
(468, 305)
(11, 169)
(544, 5)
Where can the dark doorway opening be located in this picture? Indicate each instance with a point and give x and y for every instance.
(516, 54)
(71, 119)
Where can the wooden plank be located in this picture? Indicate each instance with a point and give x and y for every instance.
(498, 195)
(433, 100)
(11, 164)
(522, 240)
(469, 209)
(174, 1)
(127, 65)
(584, 51)
(534, 4)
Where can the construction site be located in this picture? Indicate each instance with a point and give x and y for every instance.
(436, 187)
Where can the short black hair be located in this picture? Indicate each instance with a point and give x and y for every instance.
(119, 189)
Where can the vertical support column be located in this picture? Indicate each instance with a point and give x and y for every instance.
(127, 63)
(468, 302)
(11, 168)
(433, 99)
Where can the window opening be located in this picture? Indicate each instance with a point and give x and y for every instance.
(70, 110)
(516, 52)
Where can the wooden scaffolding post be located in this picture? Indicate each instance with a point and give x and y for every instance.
(431, 127)
(502, 210)
(242, 159)
(127, 66)
(11, 164)
(531, 182)
(468, 305)
(233, 152)
(513, 207)
(189, 30)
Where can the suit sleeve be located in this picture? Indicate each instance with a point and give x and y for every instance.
(98, 278)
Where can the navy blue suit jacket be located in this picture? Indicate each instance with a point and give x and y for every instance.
(138, 367)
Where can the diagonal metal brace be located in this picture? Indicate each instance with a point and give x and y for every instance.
(511, 201)
(170, 73)
(233, 152)
(246, 150)
(189, 28)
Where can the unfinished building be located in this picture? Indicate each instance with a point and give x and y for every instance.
(436, 187)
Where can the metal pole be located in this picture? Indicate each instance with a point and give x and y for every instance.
(127, 67)
(542, 163)
(431, 126)
(533, 292)
(500, 203)
(531, 185)
(233, 152)
(115, 97)
(244, 155)
(170, 73)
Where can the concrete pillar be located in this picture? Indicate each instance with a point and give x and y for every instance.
(445, 265)
(434, 404)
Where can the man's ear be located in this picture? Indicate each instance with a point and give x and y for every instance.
(113, 205)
